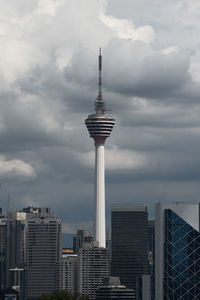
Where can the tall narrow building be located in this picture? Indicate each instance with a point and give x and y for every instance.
(68, 273)
(129, 256)
(99, 126)
(3, 248)
(43, 252)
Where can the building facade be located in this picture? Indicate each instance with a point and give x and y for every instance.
(93, 266)
(80, 238)
(43, 252)
(112, 289)
(68, 273)
(30, 252)
(177, 251)
(3, 242)
(129, 227)
(144, 288)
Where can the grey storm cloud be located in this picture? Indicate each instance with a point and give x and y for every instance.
(151, 74)
(48, 87)
(134, 69)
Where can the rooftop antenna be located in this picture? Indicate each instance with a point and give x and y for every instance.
(99, 103)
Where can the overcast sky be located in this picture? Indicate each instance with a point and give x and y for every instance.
(48, 84)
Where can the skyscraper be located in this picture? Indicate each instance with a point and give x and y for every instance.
(15, 251)
(3, 242)
(177, 251)
(43, 252)
(151, 230)
(99, 126)
(93, 266)
(30, 251)
(129, 227)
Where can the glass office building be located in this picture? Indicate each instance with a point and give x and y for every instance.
(177, 252)
(129, 227)
(182, 263)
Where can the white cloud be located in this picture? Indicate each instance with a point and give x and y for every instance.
(125, 159)
(125, 29)
(48, 6)
(15, 168)
(116, 159)
(46, 31)
(170, 49)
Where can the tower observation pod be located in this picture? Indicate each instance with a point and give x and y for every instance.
(99, 126)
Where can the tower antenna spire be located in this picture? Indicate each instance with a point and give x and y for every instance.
(99, 103)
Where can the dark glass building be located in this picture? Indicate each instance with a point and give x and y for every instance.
(177, 256)
(129, 227)
(182, 266)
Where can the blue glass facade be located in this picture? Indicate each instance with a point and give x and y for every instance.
(182, 259)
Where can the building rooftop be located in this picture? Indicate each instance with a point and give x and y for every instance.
(129, 207)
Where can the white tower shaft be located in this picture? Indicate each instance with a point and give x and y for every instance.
(99, 197)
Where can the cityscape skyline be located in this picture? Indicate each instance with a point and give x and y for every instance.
(170, 266)
(48, 84)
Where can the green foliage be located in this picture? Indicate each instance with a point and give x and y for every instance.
(63, 295)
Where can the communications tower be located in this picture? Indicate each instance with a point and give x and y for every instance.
(99, 126)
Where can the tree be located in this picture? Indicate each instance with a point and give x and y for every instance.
(63, 295)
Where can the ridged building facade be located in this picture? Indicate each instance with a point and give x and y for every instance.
(129, 227)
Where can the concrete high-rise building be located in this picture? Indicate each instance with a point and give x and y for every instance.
(81, 238)
(129, 257)
(99, 126)
(112, 289)
(30, 251)
(177, 251)
(3, 248)
(43, 252)
(151, 234)
(68, 273)
(144, 288)
(93, 266)
(15, 251)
